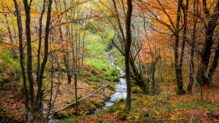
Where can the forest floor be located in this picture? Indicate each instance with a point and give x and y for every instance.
(66, 96)
(12, 101)
(97, 72)
(164, 107)
(11, 105)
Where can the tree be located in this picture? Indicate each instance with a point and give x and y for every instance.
(39, 97)
(21, 52)
(136, 74)
(192, 48)
(127, 52)
(27, 8)
(170, 26)
(33, 103)
(202, 74)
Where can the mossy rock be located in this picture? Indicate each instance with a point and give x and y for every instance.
(86, 108)
(97, 103)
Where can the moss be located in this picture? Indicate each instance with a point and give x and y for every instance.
(61, 115)
(98, 103)
(117, 108)
(95, 76)
(136, 90)
(119, 58)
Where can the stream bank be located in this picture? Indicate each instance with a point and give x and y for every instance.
(119, 92)
(120, 86)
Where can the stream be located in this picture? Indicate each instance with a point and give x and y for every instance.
(120, 91)
(120, 87)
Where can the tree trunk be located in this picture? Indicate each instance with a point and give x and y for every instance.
(184, 33)
(206, 51)
(76, 90)
(21, 50)
(138, 77)
(66, 56)
(183, 45)
(178, 69)
(27, 9)
(40, 39)
(127, 53)
(193, 41)
(45, 58)
(214, 64)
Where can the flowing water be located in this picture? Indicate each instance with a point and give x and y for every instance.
(120, 87)
(120, 90)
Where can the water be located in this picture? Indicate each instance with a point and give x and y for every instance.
(120, 87)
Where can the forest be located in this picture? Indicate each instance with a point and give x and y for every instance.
(109, 61)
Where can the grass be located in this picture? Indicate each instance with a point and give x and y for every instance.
(119, 58)
(99, 68)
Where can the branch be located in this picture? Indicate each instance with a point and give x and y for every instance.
(82, 99)
(120, 50)
(68, 9)
(205, 8)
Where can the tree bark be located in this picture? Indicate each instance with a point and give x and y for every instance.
(186, 8)
(27, 8)
(193, 41)
(40, 39)
(138, 77)
(45, 58)
(127, 53)
(21, 50)
(206, 51)
(214, 64)
(66, 58)
(178, 69)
